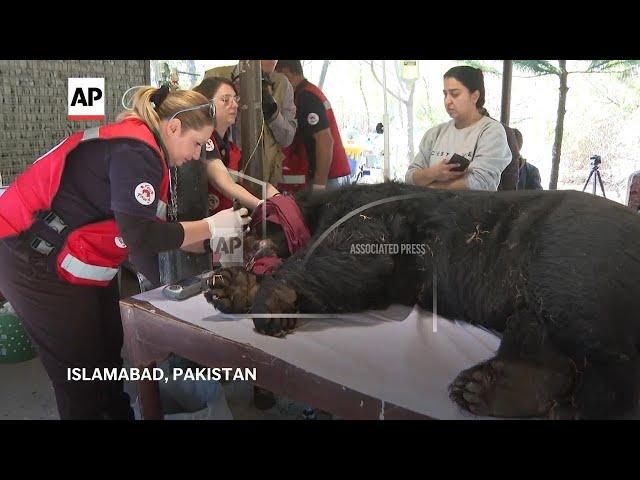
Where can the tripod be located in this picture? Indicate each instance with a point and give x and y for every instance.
(595, 173)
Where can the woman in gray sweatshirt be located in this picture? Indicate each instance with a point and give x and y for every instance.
(470, 133)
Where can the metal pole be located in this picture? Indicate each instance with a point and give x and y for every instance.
(251, 122)
(385, 121)
(505, 111)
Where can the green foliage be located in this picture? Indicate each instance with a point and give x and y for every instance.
(537, 67)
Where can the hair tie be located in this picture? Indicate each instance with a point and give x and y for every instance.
(159, 96)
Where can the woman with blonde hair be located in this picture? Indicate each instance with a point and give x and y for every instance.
(71, 219)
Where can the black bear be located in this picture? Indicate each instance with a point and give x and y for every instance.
(555, 273)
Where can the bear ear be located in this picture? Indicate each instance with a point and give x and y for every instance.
(276, 234)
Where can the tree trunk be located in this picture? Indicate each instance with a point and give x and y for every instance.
(557, 143)
(323, 73)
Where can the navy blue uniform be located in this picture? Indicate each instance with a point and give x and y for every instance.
(212, 151)
(312, 118)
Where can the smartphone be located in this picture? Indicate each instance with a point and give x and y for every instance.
(462, 162)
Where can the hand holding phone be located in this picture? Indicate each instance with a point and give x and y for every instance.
(461, 161)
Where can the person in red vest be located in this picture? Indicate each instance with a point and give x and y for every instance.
(71, 219)
(222, 154)
(316, 157)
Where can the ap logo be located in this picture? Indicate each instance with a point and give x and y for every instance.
(85, 99)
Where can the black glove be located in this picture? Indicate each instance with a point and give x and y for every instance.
(269, 105)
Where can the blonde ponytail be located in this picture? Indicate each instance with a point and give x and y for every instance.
(151, 114)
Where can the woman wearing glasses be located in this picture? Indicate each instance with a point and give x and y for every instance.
(70, 220)
(222, 154)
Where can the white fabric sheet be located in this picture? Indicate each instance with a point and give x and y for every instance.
(391, 354)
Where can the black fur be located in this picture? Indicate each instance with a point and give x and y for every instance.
(555, 272)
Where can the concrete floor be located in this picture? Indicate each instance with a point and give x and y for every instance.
(26, 394)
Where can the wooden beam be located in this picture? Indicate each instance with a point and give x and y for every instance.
(505, 110)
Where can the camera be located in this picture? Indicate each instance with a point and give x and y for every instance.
(266, 81)
(595, 160)
(269, 105)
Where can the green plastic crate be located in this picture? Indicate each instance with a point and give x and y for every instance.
(15, 346)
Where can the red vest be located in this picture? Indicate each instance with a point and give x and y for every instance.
(295, 166)
(92, 253)
(217, 201)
